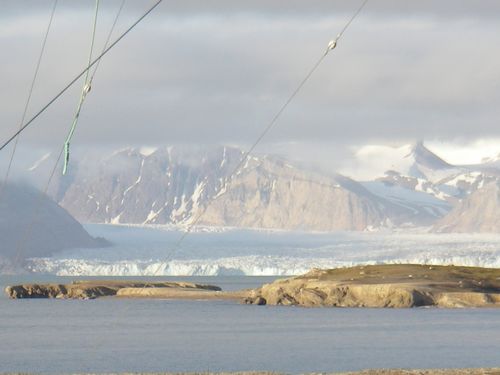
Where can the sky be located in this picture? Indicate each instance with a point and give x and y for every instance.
(217, 72)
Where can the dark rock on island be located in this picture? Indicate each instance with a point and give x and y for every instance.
(105, 288)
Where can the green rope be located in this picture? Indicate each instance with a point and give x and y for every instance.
(85, 91)
(31, 121)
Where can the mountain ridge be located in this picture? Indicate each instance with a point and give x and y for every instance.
(171, 185)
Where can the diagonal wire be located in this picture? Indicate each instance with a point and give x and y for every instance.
(28, 232)
(30, 94)
(267, 129)
(72, 82)
(245, 156)
(108, 39)
(272, 123)
(29, 229)
(358, 11)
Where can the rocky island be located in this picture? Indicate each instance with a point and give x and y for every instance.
(395, 285)
(105, 288)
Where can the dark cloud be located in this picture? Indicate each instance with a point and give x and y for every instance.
(217, 71)
(273, 8)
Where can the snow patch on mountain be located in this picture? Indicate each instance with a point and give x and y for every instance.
(147, 151)
(38, 162)
(405, 185)
(415, 200)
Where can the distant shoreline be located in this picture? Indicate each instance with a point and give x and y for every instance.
(461, 371)
(379, 286)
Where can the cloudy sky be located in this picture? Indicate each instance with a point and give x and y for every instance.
(217, 71)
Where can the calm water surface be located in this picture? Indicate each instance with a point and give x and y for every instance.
(112, 335)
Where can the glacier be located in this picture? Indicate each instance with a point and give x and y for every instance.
(147, 251)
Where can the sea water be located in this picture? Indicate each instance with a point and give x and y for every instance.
(117, 335)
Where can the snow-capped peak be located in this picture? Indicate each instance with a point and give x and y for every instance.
(426, 158)
(37, 163)
(415, 160)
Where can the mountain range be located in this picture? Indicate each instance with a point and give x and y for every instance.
(178, 185)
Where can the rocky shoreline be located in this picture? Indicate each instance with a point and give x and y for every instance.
(394, 286)
(107, 288)
(480, 371)
(397, 286)
(473, 371)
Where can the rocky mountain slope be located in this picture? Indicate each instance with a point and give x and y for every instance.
(456, 194)
(32, 225)
(418, 169)
(172, 185)
(479, 212)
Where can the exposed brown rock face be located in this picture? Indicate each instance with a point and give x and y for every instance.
(94, 289)
(386, 286)
(396, 285)
(479, 212)
(171, 186)
(182, 293)
(272, 195)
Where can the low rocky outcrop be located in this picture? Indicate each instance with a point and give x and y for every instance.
(396, 286)
(94, 289)
(385, 286)
(182, 293)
